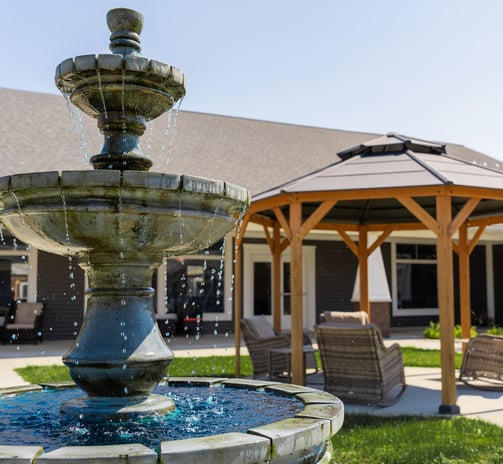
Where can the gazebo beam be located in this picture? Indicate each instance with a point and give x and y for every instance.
(348, 241)
(417, 210)
(315, 218)
(463, 214)
(283, 222)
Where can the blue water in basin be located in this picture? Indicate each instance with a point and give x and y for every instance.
(34, 418)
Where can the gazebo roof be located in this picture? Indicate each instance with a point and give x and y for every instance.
(368, 177)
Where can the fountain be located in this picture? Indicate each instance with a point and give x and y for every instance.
(120, 221)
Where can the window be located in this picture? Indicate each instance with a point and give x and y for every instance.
(286, 294)
(415, 279)
(195, 282)
(257, 283)
(262, 283)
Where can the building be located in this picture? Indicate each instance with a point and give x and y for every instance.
(39, 133)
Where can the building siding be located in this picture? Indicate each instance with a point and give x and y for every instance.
(64, 305)
(498, 288)
(336, 268)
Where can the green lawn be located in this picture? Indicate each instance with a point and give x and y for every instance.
(221, 366)
(366, 439)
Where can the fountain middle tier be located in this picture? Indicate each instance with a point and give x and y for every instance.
(85, 212)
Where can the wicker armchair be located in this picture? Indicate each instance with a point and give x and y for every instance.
(483, 360)
(26, 323)
(260, 338)
(357, 367)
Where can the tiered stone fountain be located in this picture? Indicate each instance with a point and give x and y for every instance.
(120, 221)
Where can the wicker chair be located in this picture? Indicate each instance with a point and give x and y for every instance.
(26, 324)
(260, 338)
(483, 360)
(357, 367)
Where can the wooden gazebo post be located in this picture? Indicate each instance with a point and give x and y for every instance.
(276, 278)
(297, 320)
(237, 254)
(464, 281)
(445, 276)
(363, 261)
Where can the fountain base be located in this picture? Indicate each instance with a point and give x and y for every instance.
(122, 408)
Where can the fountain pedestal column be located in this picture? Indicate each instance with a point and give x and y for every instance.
(119, 355)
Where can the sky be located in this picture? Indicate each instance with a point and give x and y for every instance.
(431, 69)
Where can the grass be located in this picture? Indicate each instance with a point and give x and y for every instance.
(221, 366)
(420, 357)
(364, 439)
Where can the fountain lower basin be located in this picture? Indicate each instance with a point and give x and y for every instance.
(302, 438)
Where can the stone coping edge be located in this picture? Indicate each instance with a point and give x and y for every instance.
(304, 438)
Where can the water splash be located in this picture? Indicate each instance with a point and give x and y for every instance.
(120, 219)
(212, 223)
(169, 133)
(18, 209)
(71, 268)
(180, 219)
(100, 90)
(77, 126)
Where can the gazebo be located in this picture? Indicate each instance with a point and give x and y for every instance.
(392, 183)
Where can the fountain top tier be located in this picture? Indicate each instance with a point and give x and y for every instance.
(122, 91)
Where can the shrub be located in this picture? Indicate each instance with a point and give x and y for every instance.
(495, 330)
(433, 331)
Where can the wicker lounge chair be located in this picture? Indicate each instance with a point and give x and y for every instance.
(483, 360)
(357, 367)
(260, 338)
(26, 323)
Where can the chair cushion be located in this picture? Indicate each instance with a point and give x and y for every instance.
(346, 317)
(260, 327)
(26, 313)
(19, 326)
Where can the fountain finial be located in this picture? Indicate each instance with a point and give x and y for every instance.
(126, 26)
(122, 91)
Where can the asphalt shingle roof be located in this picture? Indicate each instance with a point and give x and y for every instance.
(37, 134)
